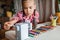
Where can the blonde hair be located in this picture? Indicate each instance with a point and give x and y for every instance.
(27, 1)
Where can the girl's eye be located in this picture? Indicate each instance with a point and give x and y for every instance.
(30, 7)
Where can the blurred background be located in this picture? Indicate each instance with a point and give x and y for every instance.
(44, 7)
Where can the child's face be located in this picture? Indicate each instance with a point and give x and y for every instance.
(28, 8)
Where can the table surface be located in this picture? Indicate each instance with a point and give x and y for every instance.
(50, 35)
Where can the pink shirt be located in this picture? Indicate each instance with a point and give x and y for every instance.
(19, 16)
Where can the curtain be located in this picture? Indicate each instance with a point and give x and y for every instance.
(17, 5)
(45, 9)
(56, 6)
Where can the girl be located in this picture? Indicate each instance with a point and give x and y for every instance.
(29, 13)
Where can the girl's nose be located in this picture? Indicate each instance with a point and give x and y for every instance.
(28, 10)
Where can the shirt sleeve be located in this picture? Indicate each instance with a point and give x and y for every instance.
(17, 16)
(37, 17)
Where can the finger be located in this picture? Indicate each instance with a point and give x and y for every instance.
(6, 28)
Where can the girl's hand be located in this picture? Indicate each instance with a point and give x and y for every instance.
(7, 25)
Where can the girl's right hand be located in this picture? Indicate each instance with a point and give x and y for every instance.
(7, 25)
